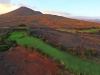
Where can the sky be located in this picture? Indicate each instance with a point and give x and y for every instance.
(89, 8)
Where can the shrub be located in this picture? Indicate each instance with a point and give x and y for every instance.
(4, 48)
(21, 25)
(59, 72)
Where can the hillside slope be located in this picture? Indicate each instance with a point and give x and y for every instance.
(33, 18)
(17, 61)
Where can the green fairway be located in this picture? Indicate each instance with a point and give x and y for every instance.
(72, 62)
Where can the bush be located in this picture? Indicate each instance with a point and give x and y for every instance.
(82, 52)
(21, 25)
(4, 48)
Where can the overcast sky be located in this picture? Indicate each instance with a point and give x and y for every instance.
(90, 8)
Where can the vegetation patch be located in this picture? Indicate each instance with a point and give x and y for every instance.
(71, 62)
(5, 44)
(4, 48)
(89, 30)
(81, 30)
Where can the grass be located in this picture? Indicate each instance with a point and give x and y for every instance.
(66, 30)
(72, 62)
(92, 30)
(89, 30)
(17, 35)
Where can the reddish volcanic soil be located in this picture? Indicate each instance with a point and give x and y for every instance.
(18, 61)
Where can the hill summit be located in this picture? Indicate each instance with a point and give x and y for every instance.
(22, 11)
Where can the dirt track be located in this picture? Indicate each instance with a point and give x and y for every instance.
(19, 62)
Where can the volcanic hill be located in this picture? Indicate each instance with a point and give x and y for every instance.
(22, 11)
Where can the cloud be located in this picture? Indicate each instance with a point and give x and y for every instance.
(4, 1)
(6, 7)
(59, 13)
